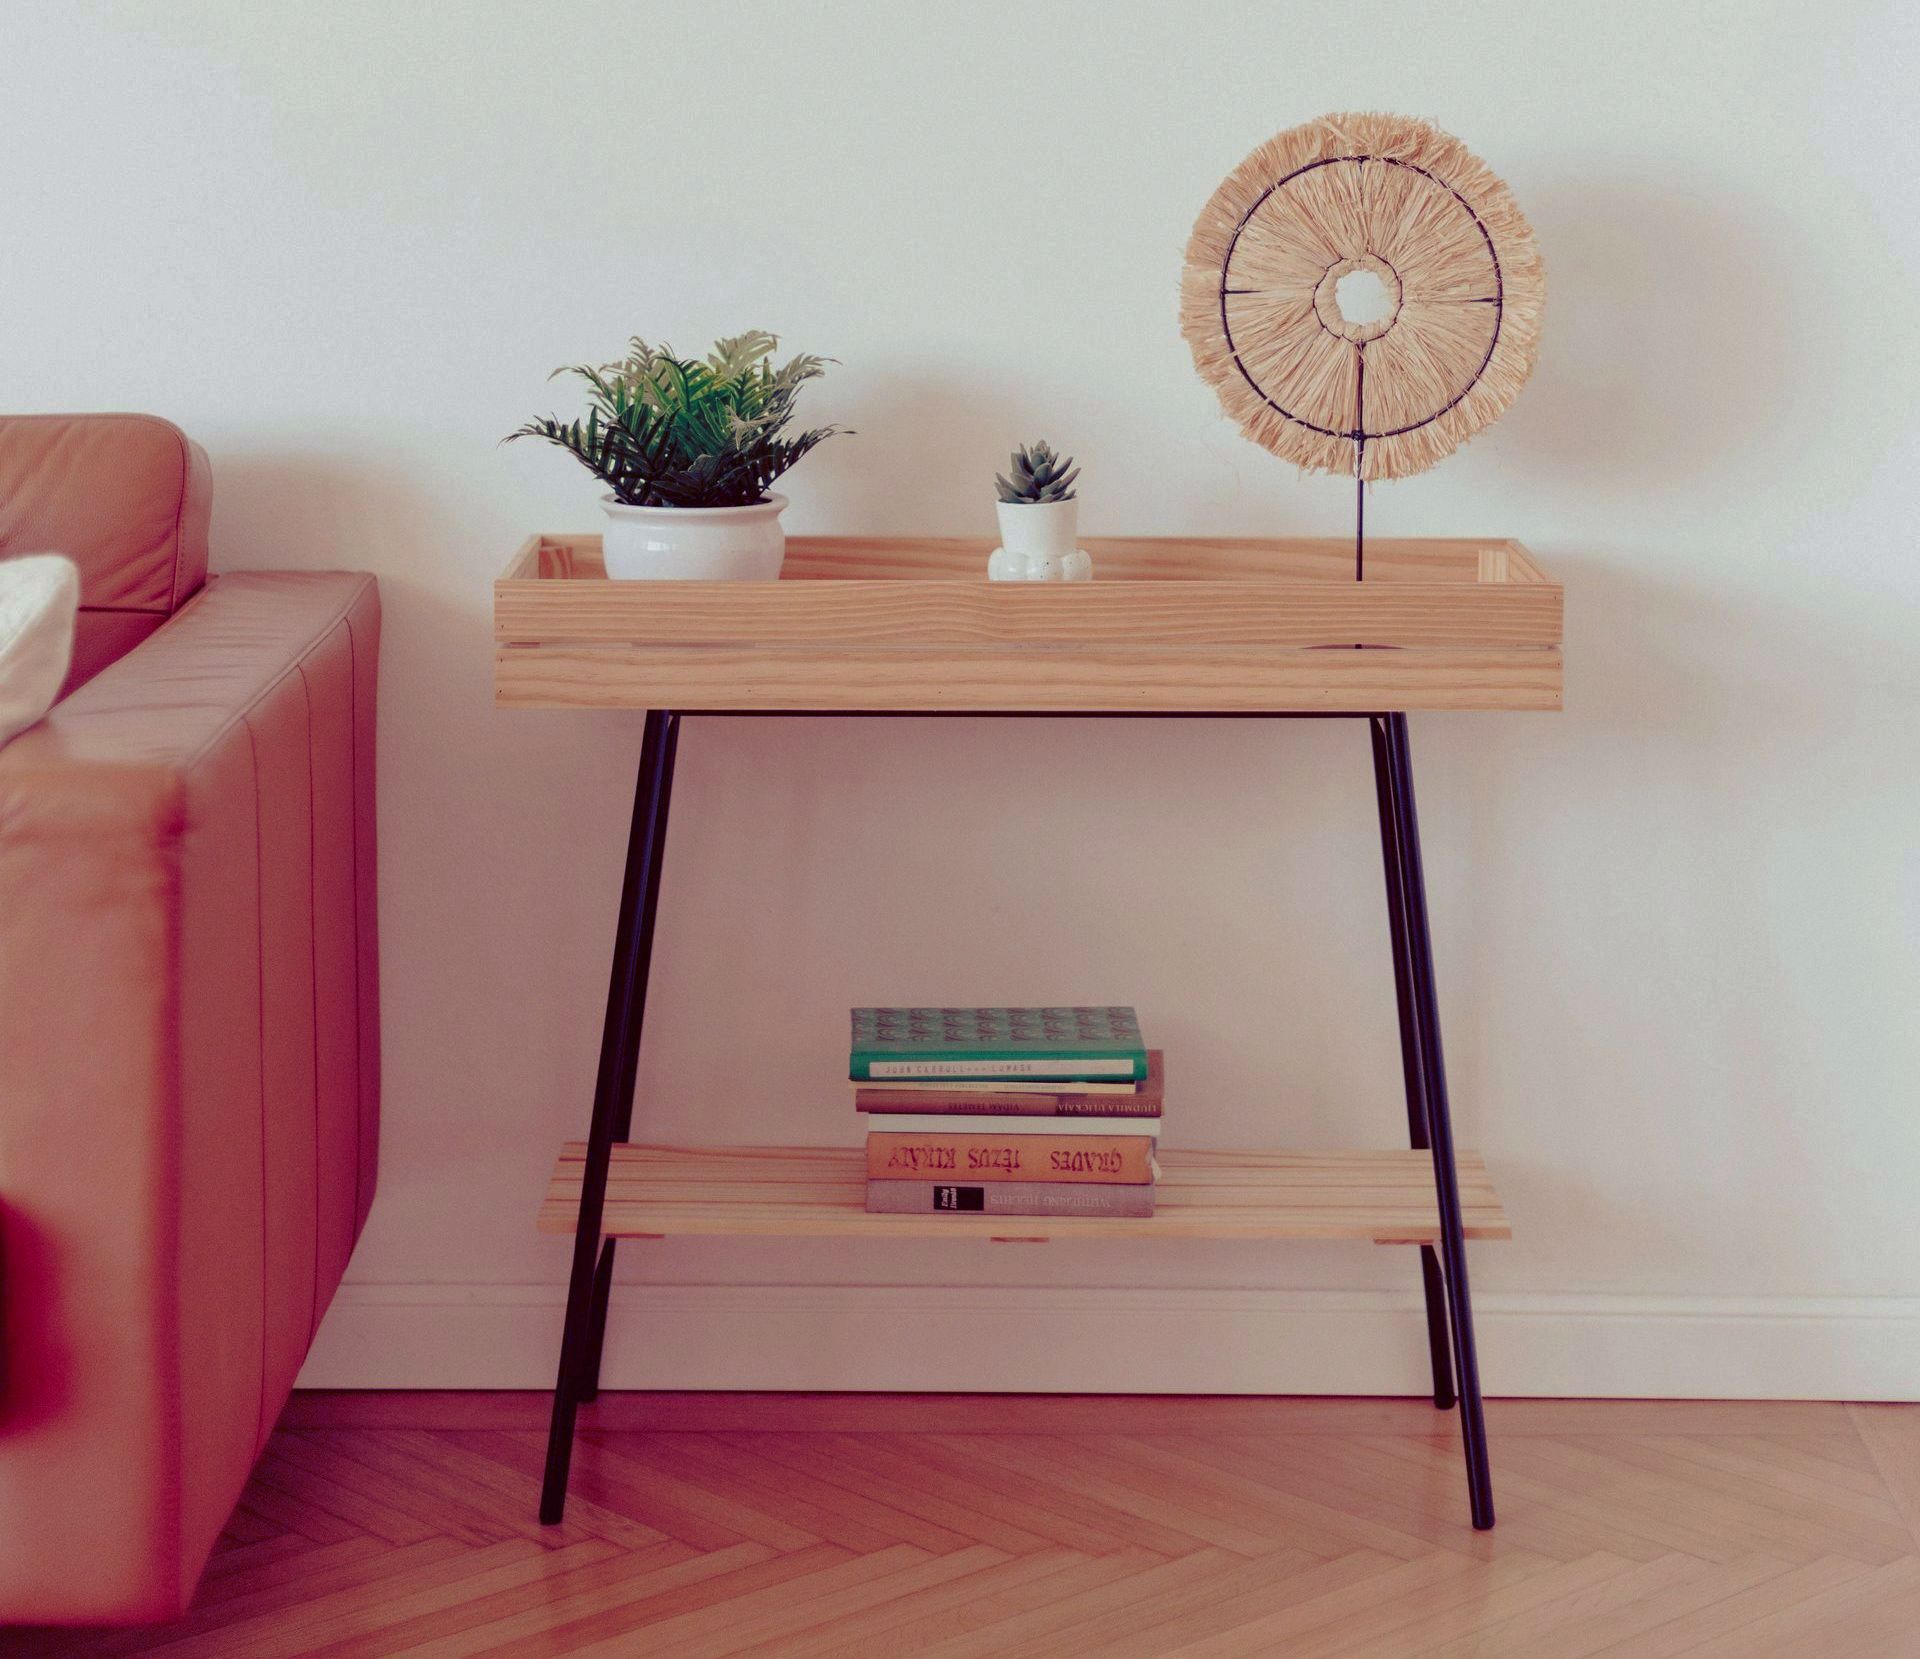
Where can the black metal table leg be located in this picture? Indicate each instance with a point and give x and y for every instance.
(1446, 1176)
(1412, 1066)
(612, 1101)
(1429, 1120)
(589, 1389)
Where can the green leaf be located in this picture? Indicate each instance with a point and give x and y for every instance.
(662, 430)
(1037, 474)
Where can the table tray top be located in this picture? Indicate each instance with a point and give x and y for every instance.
(1168, 625)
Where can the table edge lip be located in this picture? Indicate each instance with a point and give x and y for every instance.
(1537, 578)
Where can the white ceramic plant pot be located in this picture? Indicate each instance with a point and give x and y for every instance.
(1037, 543)
(694, 544)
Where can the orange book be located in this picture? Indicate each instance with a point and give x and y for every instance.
(1124, 1160)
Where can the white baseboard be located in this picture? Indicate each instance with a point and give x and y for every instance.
(947, 1339)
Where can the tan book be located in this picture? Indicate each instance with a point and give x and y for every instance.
(1123, 1160)
(1002, 1123)
(1040, 1198)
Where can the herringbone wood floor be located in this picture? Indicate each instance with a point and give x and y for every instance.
(840, 1526)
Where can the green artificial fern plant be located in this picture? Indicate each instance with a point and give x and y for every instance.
(667, 431)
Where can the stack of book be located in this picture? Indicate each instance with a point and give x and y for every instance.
(1007, 1111)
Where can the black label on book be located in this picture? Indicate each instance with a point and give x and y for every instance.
(959, 1198)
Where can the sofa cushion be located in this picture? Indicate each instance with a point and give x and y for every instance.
(127, 498)
(39, 595)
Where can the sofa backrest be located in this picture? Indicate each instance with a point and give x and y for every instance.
(127, 498)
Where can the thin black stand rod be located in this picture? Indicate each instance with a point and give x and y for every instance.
(1359, 511)
(612, 1096)
(1446, 1175)
(1412, 1063)
(1360, 461)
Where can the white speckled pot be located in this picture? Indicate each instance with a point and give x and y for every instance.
(697, 544)
(1037, 543)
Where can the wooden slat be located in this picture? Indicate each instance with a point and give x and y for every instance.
(1169, 625)
(864, 613)
(1286, 559)
(661, 1191)
(1290, 559)
(1111, 680)
(1522, 566)
(535, 557)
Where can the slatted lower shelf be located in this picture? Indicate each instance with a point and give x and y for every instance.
(819, 1191)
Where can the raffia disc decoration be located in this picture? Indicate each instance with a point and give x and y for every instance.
(1464, 289)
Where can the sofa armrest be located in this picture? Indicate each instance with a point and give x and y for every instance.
(188, 1076)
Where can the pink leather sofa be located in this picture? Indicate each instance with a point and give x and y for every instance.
(189, 1019)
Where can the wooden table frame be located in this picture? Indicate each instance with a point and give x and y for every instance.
(575, 647)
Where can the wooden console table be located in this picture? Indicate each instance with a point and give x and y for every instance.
(880, 627)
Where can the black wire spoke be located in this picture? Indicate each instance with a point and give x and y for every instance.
(1497, 300)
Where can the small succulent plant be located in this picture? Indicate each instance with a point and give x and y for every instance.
(1038, 475)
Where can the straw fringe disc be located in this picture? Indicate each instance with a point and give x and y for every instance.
(1463, 283)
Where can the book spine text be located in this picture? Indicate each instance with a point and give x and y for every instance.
(1127, 1160)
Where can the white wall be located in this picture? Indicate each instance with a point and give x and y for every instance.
(343, 244)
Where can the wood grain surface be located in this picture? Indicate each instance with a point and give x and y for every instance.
(820, 1192)
(397, 1526)
(1169, 625)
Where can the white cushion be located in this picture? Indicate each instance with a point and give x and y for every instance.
(39, 602)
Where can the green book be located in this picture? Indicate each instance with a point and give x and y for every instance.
(989, 1044)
